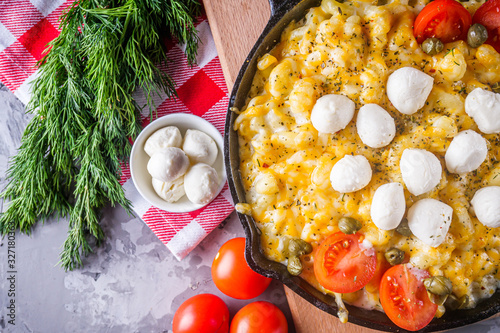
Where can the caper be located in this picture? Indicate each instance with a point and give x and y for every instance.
(453, 303)
(438, 285)
(403, 228)
(395, 256)
(477, 35)
(437, 299)
(496, 87)
(432, 46)
(349, 225)
(463, 302)
(294, 266)
(298, 247)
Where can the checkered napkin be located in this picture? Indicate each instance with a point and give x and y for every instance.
(26, 26)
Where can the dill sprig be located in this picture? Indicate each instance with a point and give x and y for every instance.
(69, 162)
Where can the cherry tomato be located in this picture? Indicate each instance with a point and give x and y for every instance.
(233, 276)
(342, 264)
(204, 313)
(446, 20)
(404, 298)
(489, 16)
(381, 267)
(259, 317)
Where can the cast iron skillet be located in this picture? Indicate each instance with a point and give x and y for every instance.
(282, 13)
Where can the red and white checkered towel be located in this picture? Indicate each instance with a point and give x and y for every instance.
(26, 26)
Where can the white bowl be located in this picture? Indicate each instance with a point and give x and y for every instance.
(139, 160)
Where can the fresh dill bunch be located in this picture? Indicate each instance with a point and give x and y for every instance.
(69, 162)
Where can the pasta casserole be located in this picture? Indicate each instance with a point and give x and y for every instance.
(365, 143)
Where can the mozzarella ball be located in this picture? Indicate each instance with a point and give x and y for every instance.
(200, 147)
(332, 113)
(484, 107)
(486, 204)
(466, 152)
(201, 183)
(421, 170)
(375, 126)
(388, 206)
(169, 164)
(170, 192)
(169, 136)
(351, 174)
(429, 220)
(408, 89)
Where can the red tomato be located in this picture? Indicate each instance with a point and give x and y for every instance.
(233, 276)
(204, 313)
(447, 20)
(489, 16)
(381, 267)
(259, 317)
(404, 298)
(342, 265)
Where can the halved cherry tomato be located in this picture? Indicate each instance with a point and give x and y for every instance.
(204, 313)
(489, 16)
(259, 317)
(446, 20)
(404, 298)
(233, 276)
(342, 264)
(381, 267)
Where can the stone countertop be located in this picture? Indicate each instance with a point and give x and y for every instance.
(131, 283)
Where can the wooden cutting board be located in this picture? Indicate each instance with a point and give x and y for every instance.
(236, 25)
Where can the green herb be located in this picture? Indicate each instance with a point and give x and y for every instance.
(69, 162)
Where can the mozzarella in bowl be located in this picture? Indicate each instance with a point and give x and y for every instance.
(170, 195)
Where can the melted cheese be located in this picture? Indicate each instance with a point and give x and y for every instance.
(351, 49)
